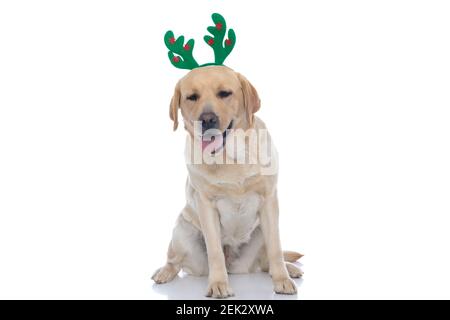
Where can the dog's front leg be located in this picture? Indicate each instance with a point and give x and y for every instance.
(269, 226)
(218, 286)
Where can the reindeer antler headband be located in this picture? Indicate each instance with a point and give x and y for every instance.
(180, 54)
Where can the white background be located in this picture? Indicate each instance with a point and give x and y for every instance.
(355, 93)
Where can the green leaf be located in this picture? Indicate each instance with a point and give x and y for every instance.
(232, 37)
(213, 31)
(217, 18)
(207, 38)
(179, 43)
(191, 43)
(167, 36)
(171, 56)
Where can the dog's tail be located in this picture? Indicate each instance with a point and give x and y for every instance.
(291, 256)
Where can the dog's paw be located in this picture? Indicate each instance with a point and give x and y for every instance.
(294, 271)
(284, 286)
(164, 274)
(219, 289)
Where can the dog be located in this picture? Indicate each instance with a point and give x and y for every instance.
(230, 221)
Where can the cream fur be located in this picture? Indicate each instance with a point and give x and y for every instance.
(230, 221)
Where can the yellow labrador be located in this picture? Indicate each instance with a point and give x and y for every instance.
(230, 221)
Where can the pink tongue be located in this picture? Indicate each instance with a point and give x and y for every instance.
(213, 144)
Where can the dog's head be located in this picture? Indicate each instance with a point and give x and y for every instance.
(214, 99)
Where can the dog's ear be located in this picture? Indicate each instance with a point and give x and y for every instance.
(174, 105)
(252, 103)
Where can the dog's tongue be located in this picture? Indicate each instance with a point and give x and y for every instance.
(213, 143)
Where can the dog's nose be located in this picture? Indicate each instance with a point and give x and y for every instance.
(209, 121)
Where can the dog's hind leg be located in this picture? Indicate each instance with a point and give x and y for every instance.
(293, 270)
(289, 257)
(170, 269)
(186, 251)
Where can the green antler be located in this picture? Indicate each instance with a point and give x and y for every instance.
(180, 54)
(221, 48)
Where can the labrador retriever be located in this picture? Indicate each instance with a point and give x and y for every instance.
(230, 221)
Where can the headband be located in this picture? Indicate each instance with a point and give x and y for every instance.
(180, 53)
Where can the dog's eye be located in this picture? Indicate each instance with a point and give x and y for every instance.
(223, 94)
(193, 97)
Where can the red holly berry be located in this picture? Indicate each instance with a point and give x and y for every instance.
(228, 42)
(187, 47)
(219, 26)
(172, 40)
(211, 41)
(176, 59)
